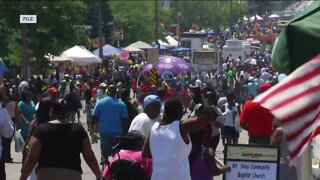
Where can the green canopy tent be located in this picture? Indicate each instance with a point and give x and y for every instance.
(299, 41)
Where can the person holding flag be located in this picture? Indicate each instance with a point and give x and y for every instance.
(295, 100)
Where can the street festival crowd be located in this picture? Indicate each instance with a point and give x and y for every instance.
(170, 130)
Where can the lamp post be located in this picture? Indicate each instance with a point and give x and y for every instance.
(156, 23)
(25, 58)
(100, 30)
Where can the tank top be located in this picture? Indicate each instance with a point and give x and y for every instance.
(229, 120)
(169, 152)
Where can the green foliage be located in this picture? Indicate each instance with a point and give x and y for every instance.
(59, 26)
(165, 19)
(136, 19)
(92, 18)
(208, 13)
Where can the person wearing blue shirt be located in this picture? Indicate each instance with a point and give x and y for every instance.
(27, 109)
(111, 115)
(252, 87)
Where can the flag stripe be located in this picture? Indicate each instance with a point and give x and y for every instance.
(300, 72)
(298, 149)
(295, 97)
(295, 156)
(297, 114)
(300, 121)
(295, 143)
(292, 83)
(295, 101)
(292, 91)
(295, 106)
(298, 131)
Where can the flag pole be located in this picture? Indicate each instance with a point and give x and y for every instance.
(304, 165)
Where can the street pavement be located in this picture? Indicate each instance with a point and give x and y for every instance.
(13, 169)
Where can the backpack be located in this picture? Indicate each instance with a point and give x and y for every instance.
(126, 170)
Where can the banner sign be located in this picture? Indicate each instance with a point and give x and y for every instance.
(265, 38)
(252, 162)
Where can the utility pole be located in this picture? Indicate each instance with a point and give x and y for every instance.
(230, 13)
(178, 21)
(248, 13)
(100, 24)
(156, 23)
(25, 58)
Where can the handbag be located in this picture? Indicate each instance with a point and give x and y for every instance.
(237, 123)
(19, 141)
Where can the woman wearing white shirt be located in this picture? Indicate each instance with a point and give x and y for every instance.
(231, 112)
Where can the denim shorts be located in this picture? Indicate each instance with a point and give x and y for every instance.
(107, 142)
(229, 132)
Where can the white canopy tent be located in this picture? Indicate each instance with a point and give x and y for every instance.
(140, 45)
(132, 49)
(164, 44)
(57, 59)
(81, 55)
(273, 16)
(172, 41)
(256, 17)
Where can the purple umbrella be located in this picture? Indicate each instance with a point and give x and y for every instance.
(174, 64)
(146, 68)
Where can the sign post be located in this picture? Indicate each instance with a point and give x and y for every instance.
(252, 162)
(153, 76)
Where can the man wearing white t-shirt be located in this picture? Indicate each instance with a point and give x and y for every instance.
(145, 120)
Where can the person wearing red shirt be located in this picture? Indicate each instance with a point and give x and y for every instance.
(134, 86)
(257, 120)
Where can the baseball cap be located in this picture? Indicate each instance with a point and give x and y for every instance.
(150, 100)
(198, 83)
(66, 75)
(103, 85)
(53, 91)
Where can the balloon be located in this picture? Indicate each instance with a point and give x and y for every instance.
(125, 55)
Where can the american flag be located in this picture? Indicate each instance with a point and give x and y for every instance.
(295, 101)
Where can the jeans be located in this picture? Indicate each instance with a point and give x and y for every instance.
(107, 142)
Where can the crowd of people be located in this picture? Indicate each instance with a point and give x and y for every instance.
(168, 130)
(172, 128)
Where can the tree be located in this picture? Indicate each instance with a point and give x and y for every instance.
(59, 26)
(208, 13)
(92, 19)
(136, 19)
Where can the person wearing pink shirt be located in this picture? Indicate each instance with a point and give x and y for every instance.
(131, 152)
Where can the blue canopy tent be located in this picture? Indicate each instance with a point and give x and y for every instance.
(3, 67)
(108, 51)
(162, 48)
(180, 49)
